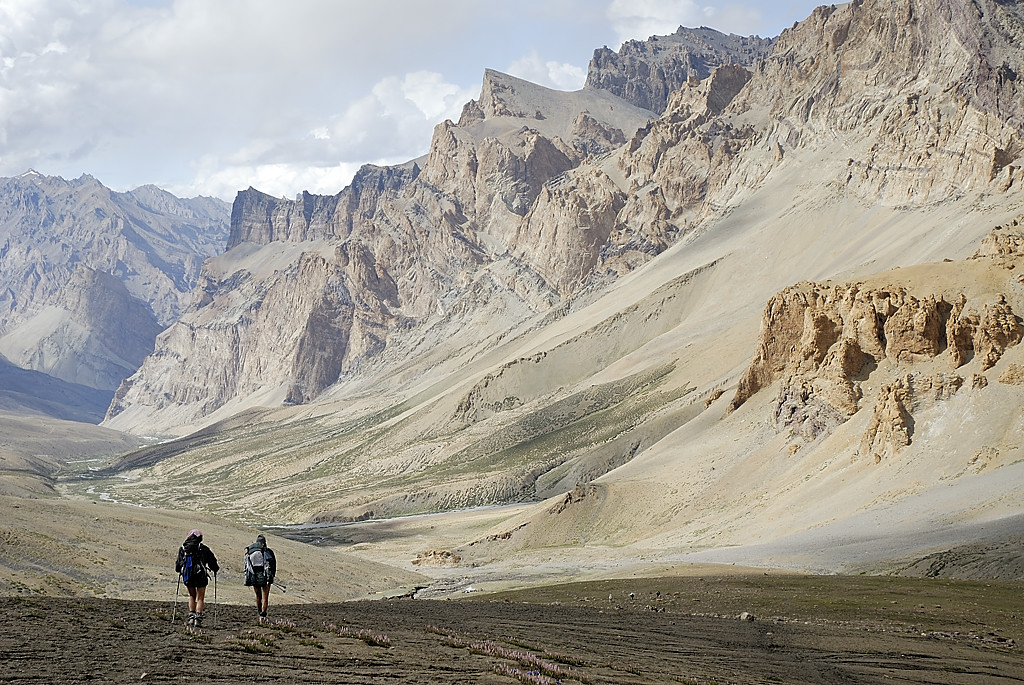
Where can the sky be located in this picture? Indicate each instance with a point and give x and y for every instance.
(209, 97)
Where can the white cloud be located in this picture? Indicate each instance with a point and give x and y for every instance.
(281, 180)
(137, 93)
(740, 19)
(557, 75)
(640, 19)
(390, 125)
(398, 115)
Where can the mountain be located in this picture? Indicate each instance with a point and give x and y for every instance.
(646, 73)
(89, 276)
(312, 290)
(777, 323)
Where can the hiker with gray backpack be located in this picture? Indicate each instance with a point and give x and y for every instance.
(260, 569)
(194, 564)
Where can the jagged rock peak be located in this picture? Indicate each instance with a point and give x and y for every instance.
(646, 73)
(259, 218)
(503, 95)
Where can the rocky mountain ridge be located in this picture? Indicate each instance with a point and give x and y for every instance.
(89, 276)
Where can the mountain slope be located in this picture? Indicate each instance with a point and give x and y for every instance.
(38, 393)
(814, 457)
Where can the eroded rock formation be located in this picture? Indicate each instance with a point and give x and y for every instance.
(834, 332)
(821, 342)
(890, 425)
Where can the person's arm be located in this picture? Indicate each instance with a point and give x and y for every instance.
(273, 565)
(180, 559)
(211, 561)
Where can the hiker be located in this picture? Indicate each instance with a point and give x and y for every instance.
(195, 560)
(260, 568)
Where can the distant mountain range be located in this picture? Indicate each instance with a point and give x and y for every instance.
(88, 276)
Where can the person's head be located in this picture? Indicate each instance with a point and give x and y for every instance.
(261, 541)
(196, 533)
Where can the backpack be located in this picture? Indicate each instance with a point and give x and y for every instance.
(256, 565)
(193, 571)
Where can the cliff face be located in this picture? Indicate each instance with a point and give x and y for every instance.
(647, 73)
(89, 276)
(260, 218)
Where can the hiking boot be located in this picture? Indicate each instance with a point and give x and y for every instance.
(191, 621)
(198, 623)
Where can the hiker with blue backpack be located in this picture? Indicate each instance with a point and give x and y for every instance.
(194, 564)
(260, 569)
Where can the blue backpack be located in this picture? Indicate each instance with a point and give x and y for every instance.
(193, 571)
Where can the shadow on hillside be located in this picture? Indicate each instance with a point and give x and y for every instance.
(350, 533)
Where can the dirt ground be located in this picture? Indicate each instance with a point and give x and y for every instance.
(671, 630)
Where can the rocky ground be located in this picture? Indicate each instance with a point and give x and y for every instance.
(805, 629)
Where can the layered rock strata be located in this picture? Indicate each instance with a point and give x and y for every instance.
(647, 73)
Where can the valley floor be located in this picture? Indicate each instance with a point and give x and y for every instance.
(807, 629)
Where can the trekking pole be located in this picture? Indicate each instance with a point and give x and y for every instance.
(284, 588)
(215, 599)
(176, 588)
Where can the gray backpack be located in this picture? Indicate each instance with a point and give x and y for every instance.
(256, 570)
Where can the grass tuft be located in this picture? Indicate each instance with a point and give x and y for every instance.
(367, 636)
